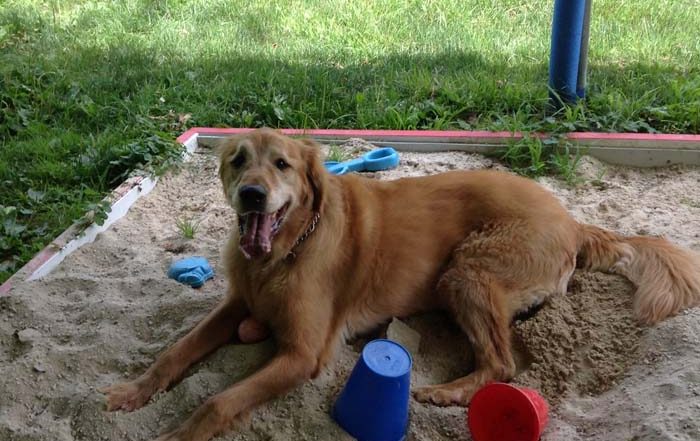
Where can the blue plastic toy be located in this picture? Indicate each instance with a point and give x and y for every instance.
(376, 160)
(373, 405)
(192, 271)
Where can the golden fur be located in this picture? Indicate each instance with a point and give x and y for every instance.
(482, 245)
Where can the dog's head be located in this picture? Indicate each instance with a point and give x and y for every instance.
(274, 183)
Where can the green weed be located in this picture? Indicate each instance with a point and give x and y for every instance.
(187, 227)
(526, 156)
(335, 153)
(565, 163)
(533, 156)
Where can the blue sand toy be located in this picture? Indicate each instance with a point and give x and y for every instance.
(376, 160)
(192, 271)
(373, 405)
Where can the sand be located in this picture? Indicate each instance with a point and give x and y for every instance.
(106, 312)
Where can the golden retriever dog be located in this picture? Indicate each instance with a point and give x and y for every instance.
(317, 258)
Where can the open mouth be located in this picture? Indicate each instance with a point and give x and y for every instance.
(258, 229)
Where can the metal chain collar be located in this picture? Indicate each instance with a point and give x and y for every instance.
(292, 254)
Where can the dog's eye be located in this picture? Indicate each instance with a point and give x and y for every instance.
(238, 161)
(281, 164)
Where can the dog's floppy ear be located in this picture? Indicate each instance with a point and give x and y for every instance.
(315, 172)
(224, 148)
(227, 146)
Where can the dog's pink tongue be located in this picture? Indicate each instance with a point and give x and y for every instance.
(264, 237)
(257, 235)
(249, 231)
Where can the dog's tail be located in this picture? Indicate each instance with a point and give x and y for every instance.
(667, 276)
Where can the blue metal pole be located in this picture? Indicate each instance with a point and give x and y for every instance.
(583, 56)
(567, 28)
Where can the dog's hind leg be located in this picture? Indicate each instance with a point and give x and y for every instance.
(476, 301)
(495, 273)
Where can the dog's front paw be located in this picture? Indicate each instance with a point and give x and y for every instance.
(128, 396)
(441, 396)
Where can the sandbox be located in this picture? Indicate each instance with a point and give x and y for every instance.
(105, 312)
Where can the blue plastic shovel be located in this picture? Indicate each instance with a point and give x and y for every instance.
(376, 160)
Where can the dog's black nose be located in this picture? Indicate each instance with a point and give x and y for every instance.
(252, 198)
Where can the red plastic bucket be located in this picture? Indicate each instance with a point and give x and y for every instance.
(501, 412)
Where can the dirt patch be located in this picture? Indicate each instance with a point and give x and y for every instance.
(583, 342)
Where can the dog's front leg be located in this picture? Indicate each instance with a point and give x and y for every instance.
(215, 330)
(221, 412)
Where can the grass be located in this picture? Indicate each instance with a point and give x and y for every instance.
(92, 90)
(335, 153)
(533, 156)
(187, 227)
